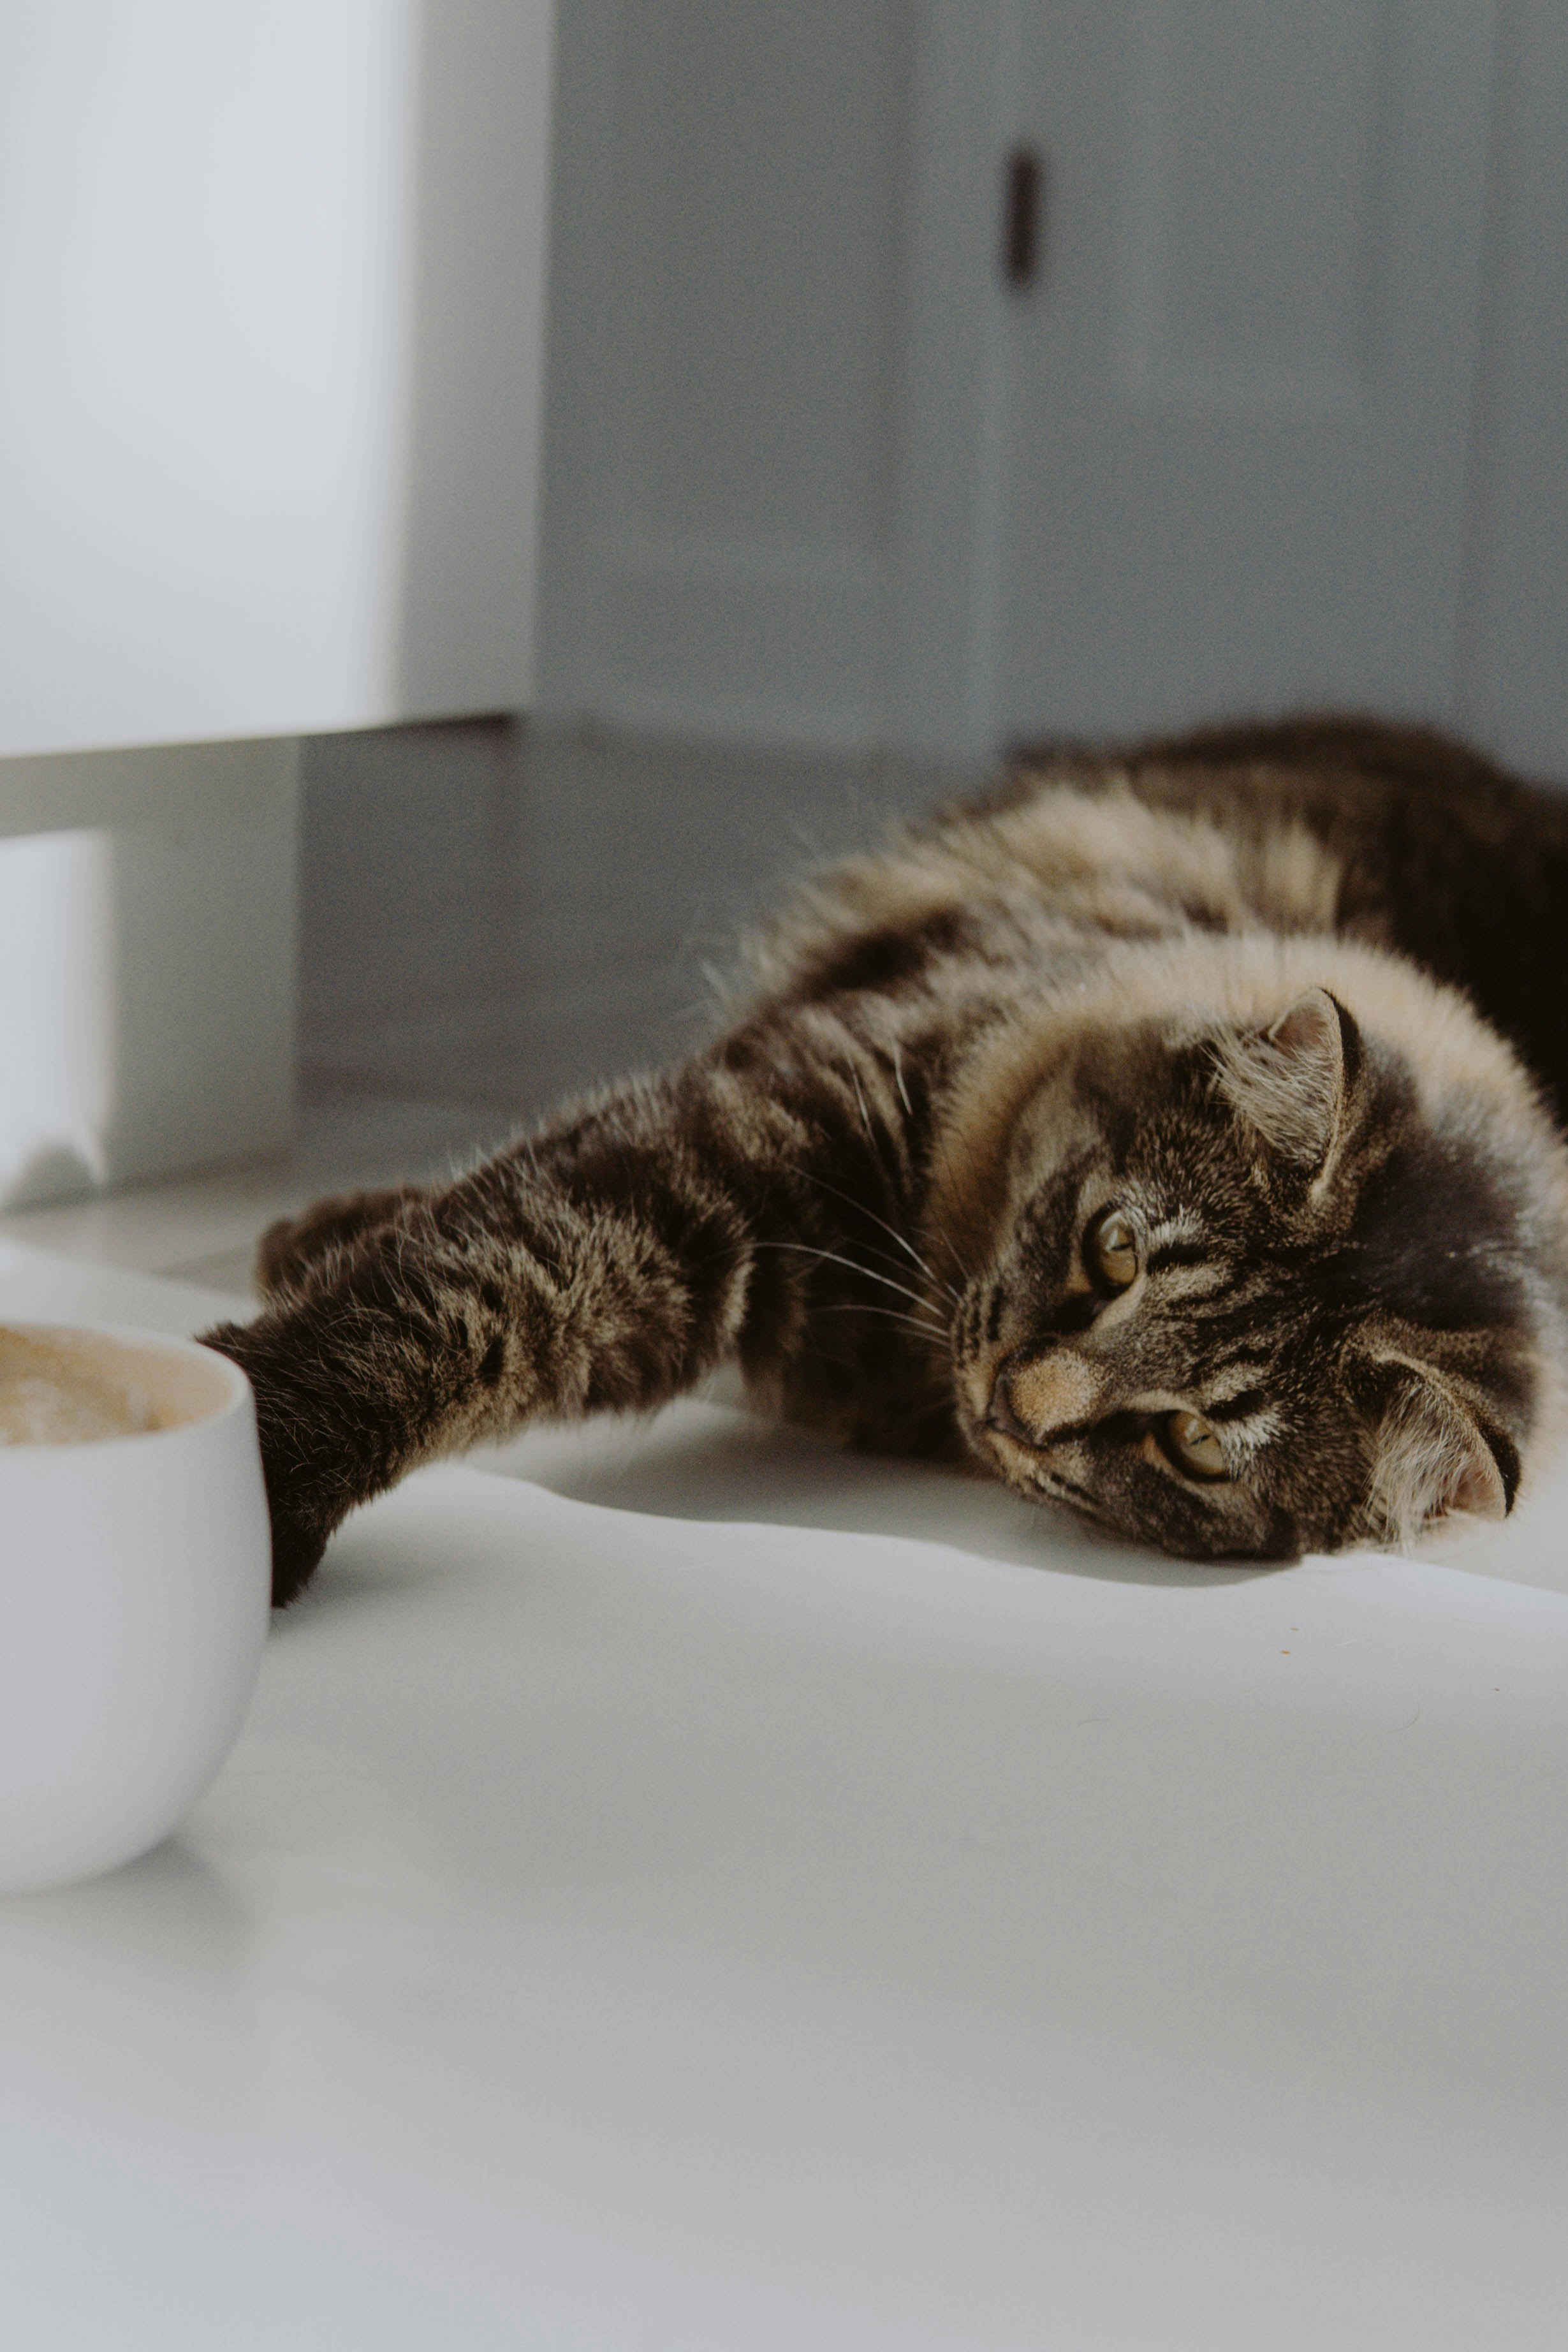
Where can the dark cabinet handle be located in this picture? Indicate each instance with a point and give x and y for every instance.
(1023, 216)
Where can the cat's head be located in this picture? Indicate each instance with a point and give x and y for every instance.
(1253, 1288)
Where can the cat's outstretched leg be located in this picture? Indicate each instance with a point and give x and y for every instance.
(609, 1263)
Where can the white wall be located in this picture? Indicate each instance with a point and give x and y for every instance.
(271, 283)
(728, 284)
(1513, 680)
(779, 375)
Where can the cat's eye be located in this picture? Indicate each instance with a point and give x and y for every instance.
(1194, 1447)
(1110, 1250)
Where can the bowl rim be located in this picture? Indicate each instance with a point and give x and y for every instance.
(238, 1399)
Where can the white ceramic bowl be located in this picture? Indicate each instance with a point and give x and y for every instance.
(134, 1597)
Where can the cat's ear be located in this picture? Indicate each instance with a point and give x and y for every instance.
(1289, 1082)
(1435, 1465)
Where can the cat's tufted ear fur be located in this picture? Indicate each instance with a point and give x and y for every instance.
(1289, 1082)
(1434, 1464)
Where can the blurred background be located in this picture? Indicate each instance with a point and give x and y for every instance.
(489, 486)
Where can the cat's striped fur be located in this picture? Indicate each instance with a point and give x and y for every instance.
(1235, 990)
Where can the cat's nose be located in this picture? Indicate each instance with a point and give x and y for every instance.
(1000, 1415)
(1034, 1397)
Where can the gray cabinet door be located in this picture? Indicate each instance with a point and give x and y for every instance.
(1235, 408)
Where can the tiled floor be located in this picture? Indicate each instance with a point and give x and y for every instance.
(493, 919)
(501, 916)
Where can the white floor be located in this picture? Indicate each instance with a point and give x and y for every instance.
(692, 1893)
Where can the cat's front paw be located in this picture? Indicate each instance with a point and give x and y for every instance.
(307, 1495)
(297, 1550)
(295, 1249)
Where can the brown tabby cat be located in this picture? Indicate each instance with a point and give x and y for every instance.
(1148, 1132)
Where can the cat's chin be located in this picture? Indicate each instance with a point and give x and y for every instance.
(1452, 1538)
(1019, 1468)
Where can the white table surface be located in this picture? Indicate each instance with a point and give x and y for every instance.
(655, 1911)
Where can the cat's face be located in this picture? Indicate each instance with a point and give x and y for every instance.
(1245, 1301)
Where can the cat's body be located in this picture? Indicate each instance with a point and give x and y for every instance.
(1128, 1133)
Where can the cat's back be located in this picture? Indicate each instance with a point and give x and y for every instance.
(1399, 837)
(1421, 843)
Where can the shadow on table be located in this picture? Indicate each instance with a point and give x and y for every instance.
(700, 1461)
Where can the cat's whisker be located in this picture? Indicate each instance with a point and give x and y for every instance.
(927, 1268)
(892, 1314)
(898, 1079)
(893, 1232)
(834, 1257)
(860, 1096)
